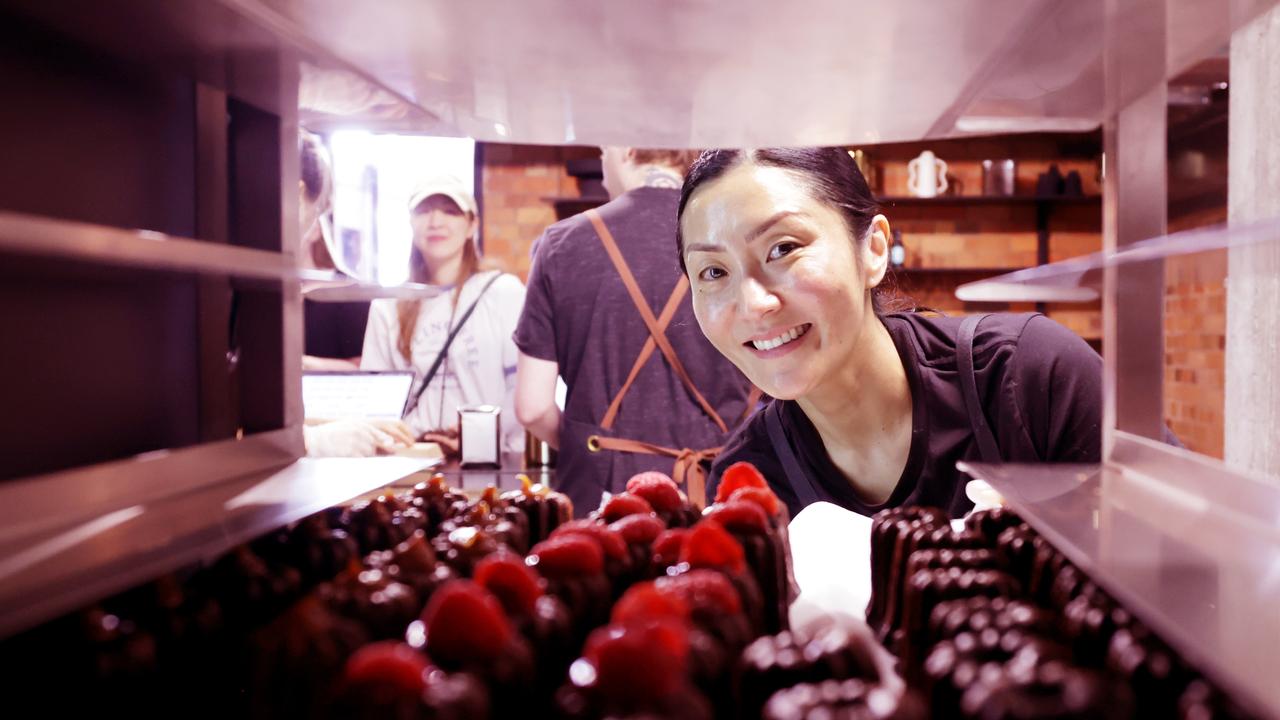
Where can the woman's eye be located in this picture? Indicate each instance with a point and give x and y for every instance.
(782, 249)
(711, 273)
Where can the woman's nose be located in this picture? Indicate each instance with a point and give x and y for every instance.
(757, 298)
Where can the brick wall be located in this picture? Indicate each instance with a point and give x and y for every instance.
(516, 182)
(1195, 320)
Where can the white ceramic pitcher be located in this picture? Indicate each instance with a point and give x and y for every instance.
(927, 175)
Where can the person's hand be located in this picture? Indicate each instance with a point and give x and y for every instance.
(349, 438)
(398, 431)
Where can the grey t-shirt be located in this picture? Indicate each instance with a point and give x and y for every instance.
(577, 312)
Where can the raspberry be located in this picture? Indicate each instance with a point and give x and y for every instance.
(705, 590)
(661, 491)
(639, 663)
(639, 529)
(739, 515)
(711, 546)
(465, 624)
(739, 475)
(763, 497)
(506, 576)
(567, 555)
(388, 667)
(614, 547)
(622, 505)
(643, 601)
(669, 545)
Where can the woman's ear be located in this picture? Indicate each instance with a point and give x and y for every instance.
(875, 251)
(473, 227)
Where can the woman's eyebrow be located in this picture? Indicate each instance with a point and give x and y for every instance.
(768, 224)
(702, 247)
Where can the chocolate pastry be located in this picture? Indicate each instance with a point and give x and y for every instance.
(765, 553)
(664, 496)
(506, 524)
(414, 563)
(774, 662)
(462, 547)
(1089, 621)
(888, 528)
(1156, 675)
(918, 539)
(378, 524)
(544, 508)
(619, 566)
(437, 502)
(464, 629)
(543, 620)
(392, 680)
(976, 614)
(1052, 690)
(573, 567)
(382, 606)
(954, 665)
(633, 671)
(930, 587)
(990, 523)
(640, 532)
(850, 699)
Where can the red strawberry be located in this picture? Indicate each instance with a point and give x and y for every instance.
(566, 556)
(506, 576)
(705, 590)
(644, 602)
(660, 491)
(465, 624)
(668, 546)
(610, 542)
(639, 529)
(739, 515)
(638, 664)
(763, 497)
(711, 546)
(739, 475)
(388, 667)
(622, 505)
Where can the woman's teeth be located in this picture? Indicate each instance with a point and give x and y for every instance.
(782, 339)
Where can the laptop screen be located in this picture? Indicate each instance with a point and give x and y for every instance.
(332, 395)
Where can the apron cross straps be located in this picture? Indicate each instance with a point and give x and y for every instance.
(688, 463)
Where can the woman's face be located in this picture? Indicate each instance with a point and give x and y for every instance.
(779, 285)
(441, 229)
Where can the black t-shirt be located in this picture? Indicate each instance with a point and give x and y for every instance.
(1039, 383)
(334, 330)
(577, 312)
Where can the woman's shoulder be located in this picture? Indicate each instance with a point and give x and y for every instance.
(749, 443)
(934, 337)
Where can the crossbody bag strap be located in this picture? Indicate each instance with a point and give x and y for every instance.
(796, 477)
(444, 351)
(656, 332)
(987, 445)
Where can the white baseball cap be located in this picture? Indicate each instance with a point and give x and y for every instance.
(449, 186)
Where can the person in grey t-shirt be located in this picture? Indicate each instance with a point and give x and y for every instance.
(581, 322)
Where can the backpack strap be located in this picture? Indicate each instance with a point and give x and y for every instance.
(796, 477)
(987, 445)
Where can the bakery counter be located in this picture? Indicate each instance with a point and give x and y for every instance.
(61, 566)
(473, 480)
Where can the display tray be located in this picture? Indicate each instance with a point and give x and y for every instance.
(1196, 556)
(46, 573)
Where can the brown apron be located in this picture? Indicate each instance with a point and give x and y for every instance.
(688, 469)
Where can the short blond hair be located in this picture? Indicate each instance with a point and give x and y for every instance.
(677, 159)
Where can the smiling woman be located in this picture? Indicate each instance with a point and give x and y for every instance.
(786, 254)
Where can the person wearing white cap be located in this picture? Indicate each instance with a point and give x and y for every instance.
(459, 342)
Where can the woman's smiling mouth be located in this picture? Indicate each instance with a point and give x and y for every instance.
(779, 343)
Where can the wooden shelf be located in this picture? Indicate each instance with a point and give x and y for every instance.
(48, 237)
(954, 270)
(898, 200)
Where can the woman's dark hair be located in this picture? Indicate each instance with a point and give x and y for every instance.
(830, 173)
